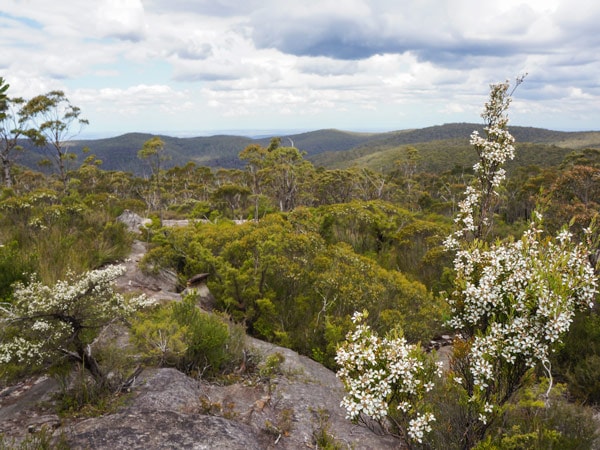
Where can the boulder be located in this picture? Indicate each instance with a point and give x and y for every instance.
(133, 221)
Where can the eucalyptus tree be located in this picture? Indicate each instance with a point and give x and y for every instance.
(254, 155)
(285, 172)
(3, 97)
(56, 122)
(154, 153)
(12, 126)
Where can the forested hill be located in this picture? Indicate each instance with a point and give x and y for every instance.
(441, 147)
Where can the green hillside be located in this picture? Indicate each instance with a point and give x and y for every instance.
(441, 147)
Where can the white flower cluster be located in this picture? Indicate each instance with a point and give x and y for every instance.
(20, 350)
(419, 426)
(376, 371)
(494, 150)
(46, 316)
(526, 292)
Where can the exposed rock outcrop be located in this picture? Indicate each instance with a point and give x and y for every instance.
(171, 410)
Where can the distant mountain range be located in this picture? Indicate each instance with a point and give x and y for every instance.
(440, 147)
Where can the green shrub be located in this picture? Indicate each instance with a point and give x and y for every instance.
(533, 422)
(159, 336)
(206, 337)
(182, 335)
(271, 365)
(578, 361)
(14, 267)
(57, 234)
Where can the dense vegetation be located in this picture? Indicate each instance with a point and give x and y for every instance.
(311, 245)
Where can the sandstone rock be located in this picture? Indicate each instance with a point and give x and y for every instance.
(133, 221)
(162, 429)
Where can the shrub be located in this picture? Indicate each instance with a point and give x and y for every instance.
(46, 325)
(206, 337)
(578, 361)
(530, 423)
(14, 267)
(182, 335)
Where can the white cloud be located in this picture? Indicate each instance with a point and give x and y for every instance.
(121, 19)
(229, 63)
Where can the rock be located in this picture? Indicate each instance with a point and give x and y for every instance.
(170, 410)
(50, 421)
(133, 221)
(162, 430)
(160, 389)
(295, 406)
(161, 286)
(164, 413)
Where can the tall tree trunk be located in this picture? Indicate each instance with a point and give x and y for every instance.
(6, 169)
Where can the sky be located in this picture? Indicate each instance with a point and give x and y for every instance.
(198, 67)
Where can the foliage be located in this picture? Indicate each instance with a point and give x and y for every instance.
(521, 296)
(533, 421)
(322, 437)
(512, 301)
(80, 396)
(289, 286)
(52, 233)
(183, 336)
(206, 337)
(577, 362)
(153, 152)
(13, 123)
(271, 365)
(14, 267)
(56, 121)
(159, 336)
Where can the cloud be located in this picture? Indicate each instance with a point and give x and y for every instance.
(191, 49)
(440, 32)
(121, 19)
(361, 60)
(326, 66)
(122, 108)
(208, 8)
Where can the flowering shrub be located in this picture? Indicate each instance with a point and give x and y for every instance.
(511, 304)
(523, 295)
(512, 301)
(386, 380)
(44, 323)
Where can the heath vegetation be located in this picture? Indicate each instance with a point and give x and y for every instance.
(356, 268)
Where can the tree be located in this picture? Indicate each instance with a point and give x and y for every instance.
(232, 198)
(56, 122)
(255, 155)
(44, 324)
(575, 195)
(12, 127)
(285, 171)
(153, 152)
(3, 97)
